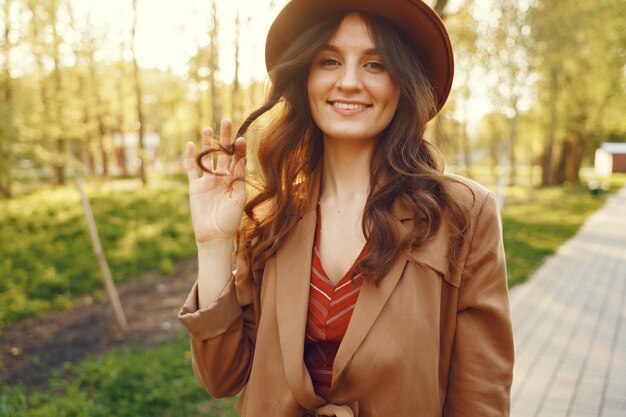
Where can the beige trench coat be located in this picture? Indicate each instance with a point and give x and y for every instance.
(426, 342)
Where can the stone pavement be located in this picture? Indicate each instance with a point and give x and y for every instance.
(569, 323)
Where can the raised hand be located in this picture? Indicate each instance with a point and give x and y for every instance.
(217, 200)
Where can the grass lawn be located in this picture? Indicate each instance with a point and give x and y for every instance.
(129, 382)
(537, 221)
(46, 257)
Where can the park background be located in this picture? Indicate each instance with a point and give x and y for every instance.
(109, 91)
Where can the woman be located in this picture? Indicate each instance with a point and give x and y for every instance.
(368, 282)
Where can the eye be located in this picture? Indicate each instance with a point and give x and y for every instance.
(374, 65)
(329, 62)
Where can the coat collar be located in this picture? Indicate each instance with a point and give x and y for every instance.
(292, 274)
(432, 252)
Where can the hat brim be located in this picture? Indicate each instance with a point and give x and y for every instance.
(422, 26)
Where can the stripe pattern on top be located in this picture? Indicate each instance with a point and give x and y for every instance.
(330, 309)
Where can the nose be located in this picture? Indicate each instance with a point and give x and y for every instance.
(350, 77)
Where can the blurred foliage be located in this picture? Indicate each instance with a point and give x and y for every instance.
(129, 382)
(553, 71)
(579, 58)
(46, 257)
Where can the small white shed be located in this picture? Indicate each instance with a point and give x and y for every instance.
(610, 157)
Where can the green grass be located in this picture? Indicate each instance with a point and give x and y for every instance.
(46, 258)
(129, 382)
(537, 221)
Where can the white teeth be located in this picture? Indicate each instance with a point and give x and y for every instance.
(348, 106)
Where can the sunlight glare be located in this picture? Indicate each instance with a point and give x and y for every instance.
(169, 33)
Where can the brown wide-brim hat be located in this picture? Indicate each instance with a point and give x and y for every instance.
(421, 25)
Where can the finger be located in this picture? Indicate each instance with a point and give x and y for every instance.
(240, 147)
(207, 141)
(207, 138)
(190, 161)
(239, 185)
(226, 130)
(240, 152)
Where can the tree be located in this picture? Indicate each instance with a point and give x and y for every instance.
(167, 112)
(92, 136)
(236, 93)
(508, 65)
(463, 35)
(120, 72)
(439, 6)
(492, 133)
(213, 65)
(580, 66)
(138, 93)
(7, 131)
(39, 23)
(449, 135)
(59, 102)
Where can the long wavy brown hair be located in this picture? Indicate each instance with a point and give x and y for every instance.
(405, 168)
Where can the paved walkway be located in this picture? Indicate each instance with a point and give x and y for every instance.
(569, 322)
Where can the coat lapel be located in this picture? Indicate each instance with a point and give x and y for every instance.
(293, 274)
(433, 252)
(370, 303)
(372, 298)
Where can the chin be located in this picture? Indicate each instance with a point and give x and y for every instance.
(350, 136)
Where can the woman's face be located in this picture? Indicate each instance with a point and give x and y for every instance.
(351, 94)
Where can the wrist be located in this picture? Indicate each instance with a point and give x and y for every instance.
(226, 245)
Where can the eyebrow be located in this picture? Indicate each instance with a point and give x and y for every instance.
(333, 48)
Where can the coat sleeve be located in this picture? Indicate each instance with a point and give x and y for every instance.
(481, 367)
(222, 335)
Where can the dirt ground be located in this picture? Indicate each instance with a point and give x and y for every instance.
(30, 349)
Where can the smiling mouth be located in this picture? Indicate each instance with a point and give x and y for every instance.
(348, 106)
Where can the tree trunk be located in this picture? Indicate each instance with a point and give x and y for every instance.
(61, 148)
(575, 158)
(104, 155)
(467, 146)
(559, 174)
(102, 131)
(140, 116)
(494, 159)
(121, 119)
(235, 98)
(87, 156)
(512, 144)
(213, 67)
(439, 7)
(6, 142)
(59, 166)
(199, 116)
(440, 135)
(89, 160)
(546, 168)
(467, 150)
(45, 131)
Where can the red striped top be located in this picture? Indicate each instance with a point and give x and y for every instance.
(330, 309)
